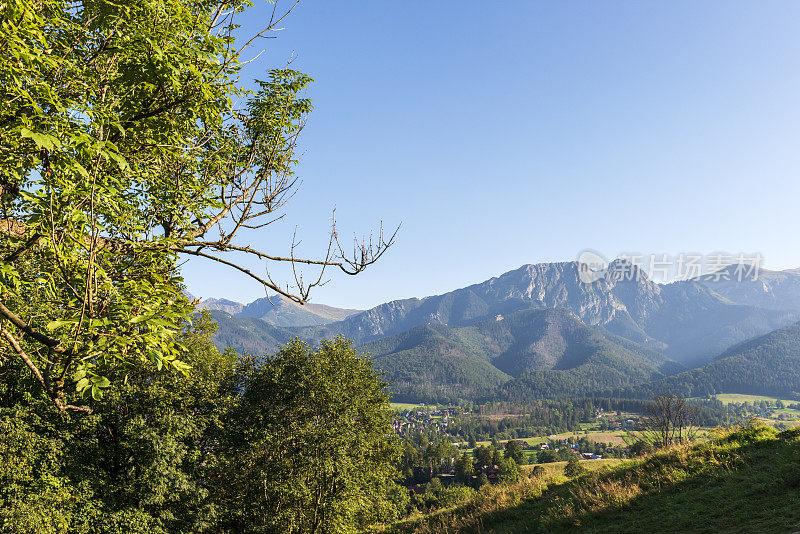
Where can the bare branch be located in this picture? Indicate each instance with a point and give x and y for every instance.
(47, 341)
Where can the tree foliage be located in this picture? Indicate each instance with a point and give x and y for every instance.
(309, 445)
(295, 442)
(138, 463)
(574, 467)
(127, 142)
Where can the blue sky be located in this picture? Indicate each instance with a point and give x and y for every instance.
(507, 133)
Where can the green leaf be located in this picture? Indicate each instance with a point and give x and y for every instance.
(55, 325)
(100, 382)
(82, 384)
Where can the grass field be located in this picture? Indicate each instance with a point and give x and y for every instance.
(408, 406)
(727, 398)
(557, 468)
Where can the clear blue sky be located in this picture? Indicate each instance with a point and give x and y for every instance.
(505, 133)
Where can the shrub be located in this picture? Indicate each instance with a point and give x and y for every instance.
(574, 467)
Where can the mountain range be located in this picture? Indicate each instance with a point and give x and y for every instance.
(278, 310)
(540, 330)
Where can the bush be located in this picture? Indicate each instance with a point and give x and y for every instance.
(641, 448)
(574, 467)
(546, 456)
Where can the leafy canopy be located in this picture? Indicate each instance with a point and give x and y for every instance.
(122, 149)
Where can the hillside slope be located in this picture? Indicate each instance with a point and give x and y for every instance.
(748, 481)
(765, 365)
(431, 363)
(247, 334)
(550, 352)
(687, 321)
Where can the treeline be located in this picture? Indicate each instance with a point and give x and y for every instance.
(502, 421)
(296, 442)
(521, 420)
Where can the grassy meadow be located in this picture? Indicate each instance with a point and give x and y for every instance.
(745, 481)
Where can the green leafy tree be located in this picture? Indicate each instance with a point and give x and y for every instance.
(515, 451)
(483, 455)
(464, 469)
(138, 464)
(310, 444)
(547, 456)
(641, 448)
(121, 151)
(509, 471)
(497, 457)
(574, 467)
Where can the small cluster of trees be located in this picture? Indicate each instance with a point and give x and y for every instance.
(535, 418)
(669, 419)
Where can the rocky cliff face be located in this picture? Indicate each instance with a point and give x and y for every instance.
(686, 320)
(775, 290)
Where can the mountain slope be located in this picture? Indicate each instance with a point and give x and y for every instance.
(747, 481)
(776, 290)
(686, 320)
(431, 363)
(247, 334)
(279, 311)
(540, 325)
(765, 365)
(551, 352)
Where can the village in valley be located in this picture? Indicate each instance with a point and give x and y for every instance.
(607, 437)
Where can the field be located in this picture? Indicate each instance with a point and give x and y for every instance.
(619, 437)
(728, 398)
(557, 468)
(398, 406)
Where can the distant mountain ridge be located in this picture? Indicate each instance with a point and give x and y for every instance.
(549, 352)
(687, 321)
(537, 330)
(279, 311)
(776, 290)
(765, 364)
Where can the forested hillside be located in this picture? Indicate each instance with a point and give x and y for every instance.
(768, 364)
(549, 352)
(466, 345)
(540, 331)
